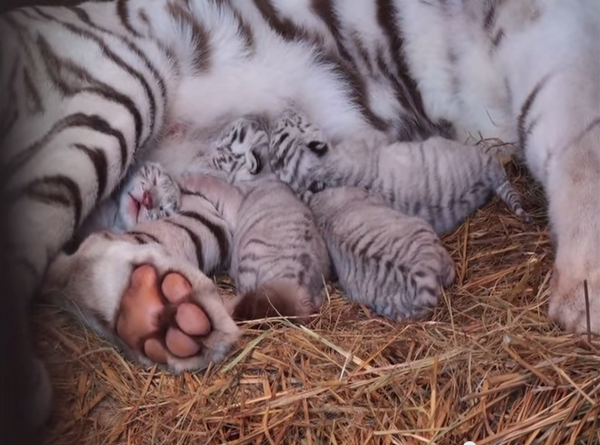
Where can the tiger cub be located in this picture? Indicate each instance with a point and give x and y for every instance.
(148, 194)
(279, 260)
(390, 262)
(439, 180)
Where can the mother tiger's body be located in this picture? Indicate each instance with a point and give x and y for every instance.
(90, 86)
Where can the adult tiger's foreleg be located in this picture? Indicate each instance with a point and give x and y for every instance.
(151, 300)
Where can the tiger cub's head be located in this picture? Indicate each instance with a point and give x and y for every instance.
(149, 194)
(296, 147)
(239, 152)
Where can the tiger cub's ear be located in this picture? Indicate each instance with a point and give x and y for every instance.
(319, 148)
(253, 162)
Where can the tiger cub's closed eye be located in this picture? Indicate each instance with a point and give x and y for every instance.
(318, 147)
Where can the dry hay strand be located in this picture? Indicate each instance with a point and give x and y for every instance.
(488, 367)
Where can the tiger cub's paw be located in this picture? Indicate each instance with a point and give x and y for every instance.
(429, 277)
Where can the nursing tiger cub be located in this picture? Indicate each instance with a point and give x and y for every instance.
(438, 180)
(279, 261)
(88, 87)
(391, 262)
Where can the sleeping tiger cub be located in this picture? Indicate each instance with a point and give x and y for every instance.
(392, 263)
(279, 260)
(148, 194)
(86, 88)
(438, 180)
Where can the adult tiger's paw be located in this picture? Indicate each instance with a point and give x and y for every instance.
(157, 307)
(574, 206)
(162, 319)
(567, 299)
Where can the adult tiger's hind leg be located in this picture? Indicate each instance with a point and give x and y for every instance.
(553, 78)
(157, 307)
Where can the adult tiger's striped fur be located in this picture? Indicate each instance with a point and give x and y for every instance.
(439, 180)
(86, 87)
(392, 263)
(279, 260)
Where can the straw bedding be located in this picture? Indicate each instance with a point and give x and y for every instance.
(488, 367)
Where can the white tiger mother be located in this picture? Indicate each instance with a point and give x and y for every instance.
(90, 86)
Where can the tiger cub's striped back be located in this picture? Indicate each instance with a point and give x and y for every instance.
(278, 250)
(439, 180)
(388, 261)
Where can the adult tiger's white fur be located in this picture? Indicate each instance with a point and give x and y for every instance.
(88, 87)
